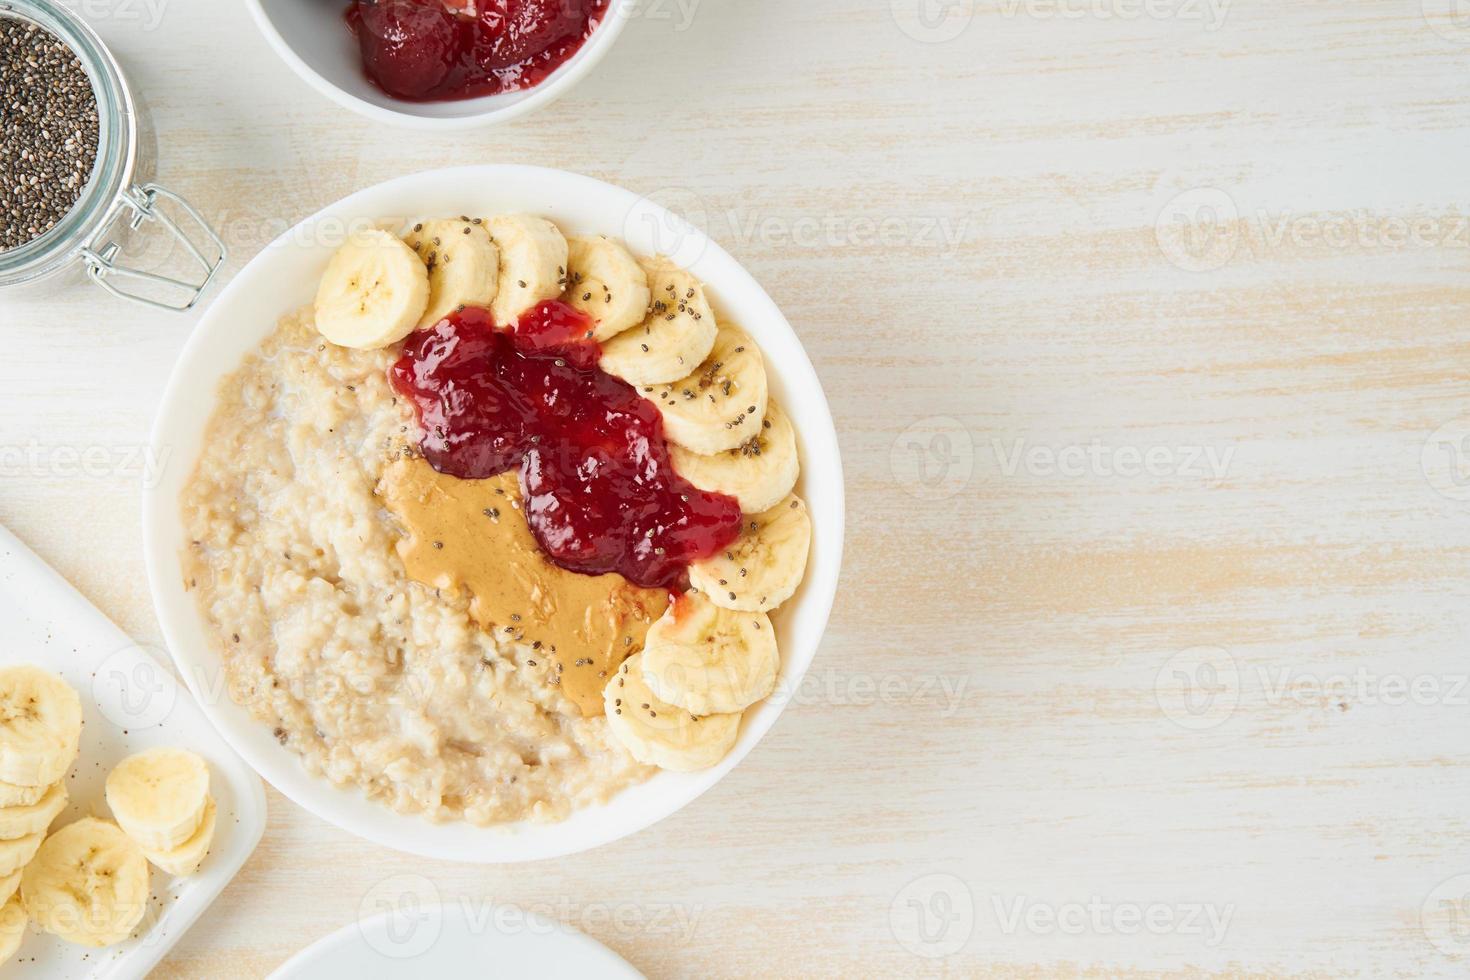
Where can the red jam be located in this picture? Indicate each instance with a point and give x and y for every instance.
(435, 50)
(599, 490)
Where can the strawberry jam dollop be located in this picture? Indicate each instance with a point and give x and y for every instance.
(435, 50)
(599, 490)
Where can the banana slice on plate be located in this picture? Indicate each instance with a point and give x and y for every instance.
(88, 884)
(159, 796)
(12, 794)
(22, 821)
(605, 282)
(463, 264)
(40, 726)
(187, 857)
(374, 292)
(758, 472)
(14, 854)
(721, 404)
(12, 926)
(676, 334)
(766, 563)
(9, 885)
(657, 733)
(708, 660)
(533, 264)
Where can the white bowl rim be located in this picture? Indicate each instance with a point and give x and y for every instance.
(553, 87)
(558, 938)
(502, 844)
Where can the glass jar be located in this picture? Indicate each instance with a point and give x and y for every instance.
(94, 235)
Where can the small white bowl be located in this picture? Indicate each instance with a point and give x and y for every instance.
(283, 278)
(312, 37)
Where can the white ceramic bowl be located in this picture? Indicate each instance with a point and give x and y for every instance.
(451, 940)
(312, 37)
(282, 278)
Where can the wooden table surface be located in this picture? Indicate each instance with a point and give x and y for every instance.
(1145, 325)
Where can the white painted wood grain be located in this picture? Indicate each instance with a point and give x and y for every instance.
(965, 235)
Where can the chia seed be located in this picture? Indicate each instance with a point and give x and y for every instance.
(48, 131)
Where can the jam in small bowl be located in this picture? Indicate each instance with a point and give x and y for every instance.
(441, 64)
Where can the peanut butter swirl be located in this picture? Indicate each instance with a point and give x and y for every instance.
(471, 536)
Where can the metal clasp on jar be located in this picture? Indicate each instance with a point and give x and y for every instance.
(137, 204)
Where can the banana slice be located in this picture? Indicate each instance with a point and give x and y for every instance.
(677, 332)
(12, 794)
(758, 472)
(659, 734)
(40, 726)
(187, 857)
(14, 854)
(159, 796)
(766, 563)
(22, 821)
(607, 283)
(12, 926)
(463, 263)
(709, 660)
(721, 404)
(374, 292)
(88, 884)
(533, 264)
(9, 885)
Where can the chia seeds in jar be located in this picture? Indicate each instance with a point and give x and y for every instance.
(76, 160)
(48, 131)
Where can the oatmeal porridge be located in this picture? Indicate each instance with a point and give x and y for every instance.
(492, 567)
(371, 678)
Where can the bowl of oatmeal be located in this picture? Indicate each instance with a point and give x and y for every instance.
(503, 513)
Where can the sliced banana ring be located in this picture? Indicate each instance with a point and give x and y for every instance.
(88, 884)
(40, 726)
(605, 282)
(373, 293)
(34, 818)
(764, 566)
(9, 885)
(12, 926)
(657, 733)
(185, 859)
(533, 264)
(708, 660)
(676, 335)
(721, 404)
(758, 472)
(12, 794)
(463, 264)
(159, 796)
(14, 854)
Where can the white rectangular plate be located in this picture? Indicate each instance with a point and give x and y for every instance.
(130, 702)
